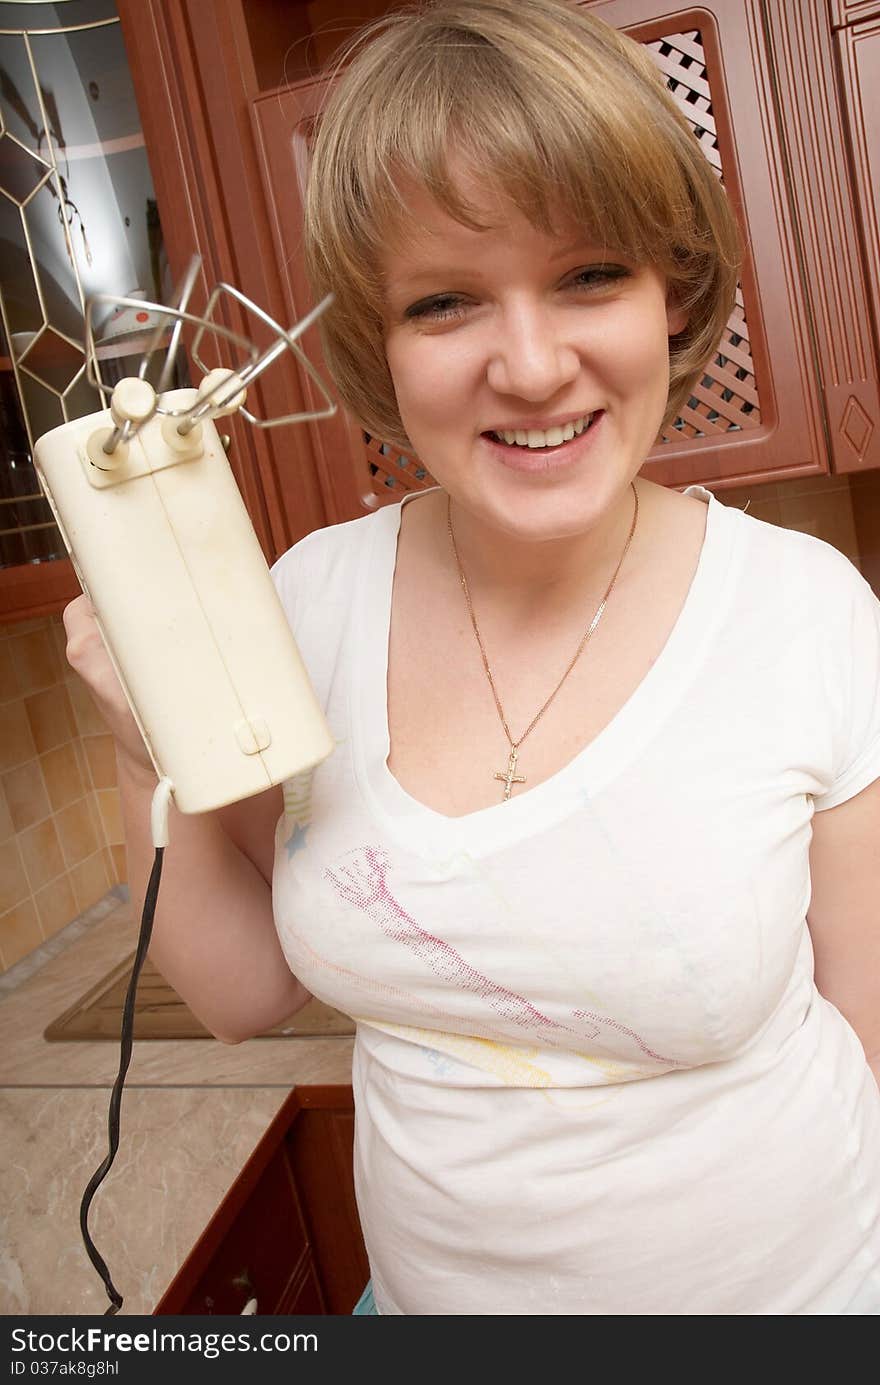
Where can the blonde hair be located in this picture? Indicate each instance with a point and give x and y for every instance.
(562, 115)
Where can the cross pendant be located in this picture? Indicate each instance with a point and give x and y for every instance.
(511, 777)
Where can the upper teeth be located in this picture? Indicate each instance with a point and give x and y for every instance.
(537, 437)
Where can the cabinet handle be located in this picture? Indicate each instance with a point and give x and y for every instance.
(243, 1280)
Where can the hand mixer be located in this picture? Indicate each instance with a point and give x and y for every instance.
(163, 547)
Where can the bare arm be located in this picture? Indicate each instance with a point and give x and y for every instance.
(214, 936)
(844, 913)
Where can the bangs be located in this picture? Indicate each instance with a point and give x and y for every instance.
(531, 104)
(555, 148)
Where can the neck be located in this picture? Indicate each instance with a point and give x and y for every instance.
(528, 577)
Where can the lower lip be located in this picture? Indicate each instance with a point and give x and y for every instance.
(546, 459)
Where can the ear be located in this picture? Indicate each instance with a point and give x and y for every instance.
(676, 316)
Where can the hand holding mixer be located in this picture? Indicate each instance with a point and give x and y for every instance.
(164, 549)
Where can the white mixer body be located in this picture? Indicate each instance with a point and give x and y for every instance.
(165, 550)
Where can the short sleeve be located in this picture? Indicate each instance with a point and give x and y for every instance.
(313, 580)
(851, 663)
(287, 577)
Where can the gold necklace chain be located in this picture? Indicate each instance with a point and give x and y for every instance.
(510, 776)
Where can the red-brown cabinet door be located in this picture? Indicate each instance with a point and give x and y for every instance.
(757, 412)
(857, 59)
(825, 96)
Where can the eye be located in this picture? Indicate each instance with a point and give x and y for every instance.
(598, 276)
(436, 309)
(444, 307)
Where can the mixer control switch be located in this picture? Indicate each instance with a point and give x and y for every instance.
(253, 735)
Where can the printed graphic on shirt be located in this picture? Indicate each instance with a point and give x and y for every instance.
(298, 807)
(360, 877)
(514, 1066)
(312, 965)
(297, 811)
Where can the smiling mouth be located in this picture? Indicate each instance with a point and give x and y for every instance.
(541, 440)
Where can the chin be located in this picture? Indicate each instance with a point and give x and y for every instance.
(548, 518)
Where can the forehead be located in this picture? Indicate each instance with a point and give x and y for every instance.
(423, 235)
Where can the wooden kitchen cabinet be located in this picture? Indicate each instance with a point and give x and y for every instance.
(856, 53)
(793, 390)
(779, 93)
(758, 411)
(826, 95)
(842, 12)
(287, 1233)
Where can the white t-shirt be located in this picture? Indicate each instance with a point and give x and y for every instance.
(592, 1072)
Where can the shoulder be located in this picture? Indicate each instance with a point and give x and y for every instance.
(330, 558)
(792, 570)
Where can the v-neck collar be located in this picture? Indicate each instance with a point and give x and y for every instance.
(428, 832)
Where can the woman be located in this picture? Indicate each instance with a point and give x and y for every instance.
(559, 866)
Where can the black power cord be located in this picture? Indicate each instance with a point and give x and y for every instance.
(101, 1172)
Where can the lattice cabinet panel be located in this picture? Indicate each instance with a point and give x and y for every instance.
(725, 399)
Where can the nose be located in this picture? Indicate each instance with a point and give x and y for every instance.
(531, 357)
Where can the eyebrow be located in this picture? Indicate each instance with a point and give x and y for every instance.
(579, 243)
(433, 271)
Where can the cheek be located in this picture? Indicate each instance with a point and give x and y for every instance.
(634, 361)
(432, 383)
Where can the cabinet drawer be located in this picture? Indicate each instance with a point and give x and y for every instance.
(262, 1254)
(304, 1293)
(287, 1233)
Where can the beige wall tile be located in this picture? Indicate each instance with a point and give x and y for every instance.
(7, 827)
(59, 637)
(26, 795)
(90, 881)
(764, 507)
(818, 505)
(737, 496)
(41, 853)
(111, 815)
(119, 874)
(56, 906)
(88, 719)
(110, 865)
(14, 885)
(101, 755)
(51, 718)
(796, 485)
(801, 518)
(76, 832)
(16, 740)
(864, 480)
(828, 516)
(95, 818)
(19, 933)
(82, 763)
(35, 660)
(815, 485)
(9, 688)
(61, 773)
(51, 867)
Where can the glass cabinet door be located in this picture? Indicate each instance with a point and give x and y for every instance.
(78, 217)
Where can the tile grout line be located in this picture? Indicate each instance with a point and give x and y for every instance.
(10, 980)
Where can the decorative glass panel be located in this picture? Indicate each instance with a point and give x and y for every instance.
(77, 217)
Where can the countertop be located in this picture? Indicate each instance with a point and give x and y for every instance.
(192, 1113)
